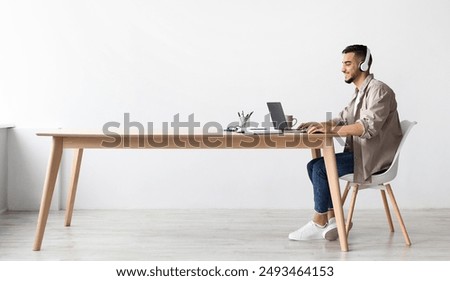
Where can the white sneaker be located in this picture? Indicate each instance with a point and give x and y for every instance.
(330, 233)
(309, 231)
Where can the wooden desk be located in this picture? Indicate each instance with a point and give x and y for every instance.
(80, 141)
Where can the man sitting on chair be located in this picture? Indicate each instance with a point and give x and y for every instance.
(372, 126)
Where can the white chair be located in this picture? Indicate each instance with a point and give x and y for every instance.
(381, 182)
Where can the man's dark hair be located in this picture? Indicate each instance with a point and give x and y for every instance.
(359, 50)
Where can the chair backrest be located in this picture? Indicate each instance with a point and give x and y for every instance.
(391, 173)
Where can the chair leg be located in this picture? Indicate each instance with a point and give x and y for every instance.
(344, 195)
(399, 216)
(351, 209)
(386, 209)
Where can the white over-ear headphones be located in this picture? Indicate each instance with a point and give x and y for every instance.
(364, 66)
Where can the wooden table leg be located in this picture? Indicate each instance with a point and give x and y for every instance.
(77, 157)
(49, 186)
(333, 180)
(315, 153)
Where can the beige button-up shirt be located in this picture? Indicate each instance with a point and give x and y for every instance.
(376, 110)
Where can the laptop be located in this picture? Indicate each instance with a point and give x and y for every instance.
(277, 114)
(278, 119)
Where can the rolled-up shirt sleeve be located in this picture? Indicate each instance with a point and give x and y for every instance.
(374, 114)
(341, 118)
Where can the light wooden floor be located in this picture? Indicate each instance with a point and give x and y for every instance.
(238, 235)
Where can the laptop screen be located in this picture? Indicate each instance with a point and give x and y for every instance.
(277, 115)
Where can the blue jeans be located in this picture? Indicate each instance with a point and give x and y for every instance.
(318, 176)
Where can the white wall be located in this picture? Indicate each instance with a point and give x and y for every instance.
(80, 64)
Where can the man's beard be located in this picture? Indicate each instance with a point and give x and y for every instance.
(350, 80)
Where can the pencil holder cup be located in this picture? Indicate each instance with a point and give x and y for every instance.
(244, 123)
